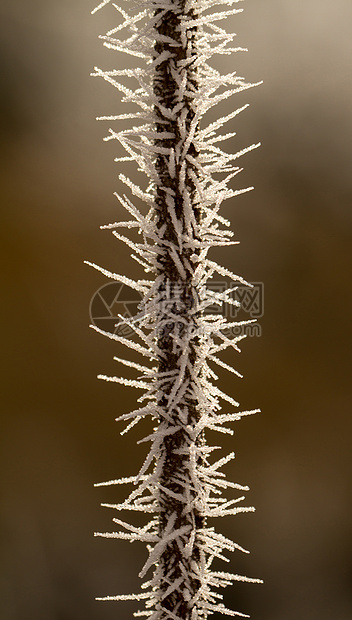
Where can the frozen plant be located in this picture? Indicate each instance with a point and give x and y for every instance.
(180, 485)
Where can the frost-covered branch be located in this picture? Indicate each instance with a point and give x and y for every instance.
(179, 484)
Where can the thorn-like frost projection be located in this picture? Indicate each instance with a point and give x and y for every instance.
(177, 217)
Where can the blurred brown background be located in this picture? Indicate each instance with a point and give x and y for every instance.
(58, 432)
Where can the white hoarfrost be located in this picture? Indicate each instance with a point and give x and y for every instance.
(179, 484)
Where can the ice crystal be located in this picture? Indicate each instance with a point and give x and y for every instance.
(179, 484)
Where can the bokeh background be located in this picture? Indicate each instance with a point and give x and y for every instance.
(58, 432)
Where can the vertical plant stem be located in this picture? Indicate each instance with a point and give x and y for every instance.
(178, 296)
(178, 484)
